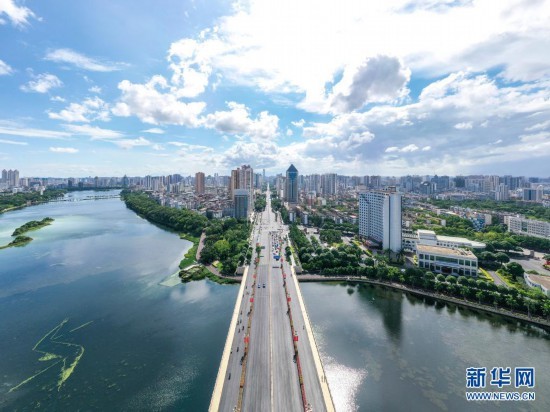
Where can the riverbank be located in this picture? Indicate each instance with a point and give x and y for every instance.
(9, 202)
(199, 272)
(190, 255)
(438, 296)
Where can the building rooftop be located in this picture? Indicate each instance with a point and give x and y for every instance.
(461, 240)
(423, 232)
(540, 280)
(439, 250)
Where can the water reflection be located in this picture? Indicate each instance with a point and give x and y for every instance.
(400, 347)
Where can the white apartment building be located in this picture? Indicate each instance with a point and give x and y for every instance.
(380, 218)
(528, 227)
(457, 262)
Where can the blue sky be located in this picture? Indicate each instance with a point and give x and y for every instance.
(403, 87)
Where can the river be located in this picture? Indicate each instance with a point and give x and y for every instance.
(148, 347)
(385, 350)
(85, 325)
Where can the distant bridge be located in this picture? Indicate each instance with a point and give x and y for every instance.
(80, 199)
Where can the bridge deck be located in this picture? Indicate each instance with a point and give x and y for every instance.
(262, 370)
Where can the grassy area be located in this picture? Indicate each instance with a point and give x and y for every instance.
(189, 257)
(365, 250)
(200, 273)
(485, 275)
(508, 280)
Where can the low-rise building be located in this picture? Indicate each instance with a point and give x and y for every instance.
(528, 227)
(538, 281)
(429, 238)
(458, 262)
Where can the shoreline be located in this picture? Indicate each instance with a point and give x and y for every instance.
(460, 302)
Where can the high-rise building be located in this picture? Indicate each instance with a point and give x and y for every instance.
(530, 194)
(380, 218)
(502, 193)
(540, 193)
(199, 183)
(291, 185)
(243, 178)
(328, 183)
(11, 177)
(233, 182)
(241, 203)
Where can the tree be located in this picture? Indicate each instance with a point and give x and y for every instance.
(462, 280)
(511, 302)
(440, 287)
(497, 298)
(400, 255)
(440, 278)
(451, 279)
(515, 269)
(481, 284)
(546, 309)
(502, 257)
(480, 295)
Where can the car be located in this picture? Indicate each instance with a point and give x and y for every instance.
(264, 285)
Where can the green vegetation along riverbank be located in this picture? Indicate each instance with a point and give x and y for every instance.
(179, 220)
(189, 257)
(10, 201)
(32, 225)
(199, 272)
(226, 241)
(350, 261)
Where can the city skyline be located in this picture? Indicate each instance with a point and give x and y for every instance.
(372, 89)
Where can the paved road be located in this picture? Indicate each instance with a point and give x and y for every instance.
(529, 263)
(496, 278)
(271, 381)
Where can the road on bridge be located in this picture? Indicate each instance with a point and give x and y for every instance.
(266, 356)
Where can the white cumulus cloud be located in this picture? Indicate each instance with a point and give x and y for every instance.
(5, 68)
(91, 109)
(237, 120)
(155, 106)
(376, 79)
(42, 83)
(464, 126)
(18, 15)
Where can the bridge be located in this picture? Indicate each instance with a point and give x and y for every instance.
(81, 199)
(270, 360)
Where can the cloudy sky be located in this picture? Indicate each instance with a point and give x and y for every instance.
(389, 87)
